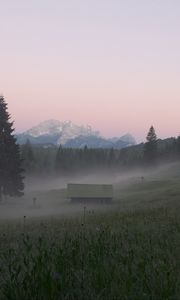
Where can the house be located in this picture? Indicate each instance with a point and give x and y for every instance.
(90, 193)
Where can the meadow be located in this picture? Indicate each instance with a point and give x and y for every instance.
(129, 250)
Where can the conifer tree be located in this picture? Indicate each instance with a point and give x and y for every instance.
(11, 178)
(178, 145)
(59, 160)
(150, 147)
(28, 156)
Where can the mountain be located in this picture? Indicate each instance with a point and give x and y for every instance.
(97, 142)
(55, 132)
(71, 135)
(89, 141)
(128, 138)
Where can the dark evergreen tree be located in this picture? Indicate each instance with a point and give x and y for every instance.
(11, 178)
(111, 158)
(60, 161)
(150, 147)
(28, 156)
(178, 145)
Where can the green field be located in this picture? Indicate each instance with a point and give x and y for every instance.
(127, 250)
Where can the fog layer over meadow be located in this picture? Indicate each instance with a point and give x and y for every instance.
(46, 196)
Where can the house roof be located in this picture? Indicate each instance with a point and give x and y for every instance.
(89, 190)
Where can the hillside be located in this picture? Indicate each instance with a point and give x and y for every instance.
(127, 250)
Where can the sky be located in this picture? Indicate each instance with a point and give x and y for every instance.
(113, 64)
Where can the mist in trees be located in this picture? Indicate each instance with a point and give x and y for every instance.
(60, 161)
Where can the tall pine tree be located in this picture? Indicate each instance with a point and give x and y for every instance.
(150, 147)
(11, 178)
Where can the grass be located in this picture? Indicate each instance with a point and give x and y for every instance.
(131, 252)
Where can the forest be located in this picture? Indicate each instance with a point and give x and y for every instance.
(52, 160)
(38, 159)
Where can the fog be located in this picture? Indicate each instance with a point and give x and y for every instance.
(46, 196)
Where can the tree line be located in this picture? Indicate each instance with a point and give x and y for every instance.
(16, 161)
(63, 161)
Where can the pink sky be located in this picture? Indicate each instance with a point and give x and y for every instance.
(113, 64)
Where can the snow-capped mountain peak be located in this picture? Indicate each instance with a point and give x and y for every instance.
(128, 138)
(64, 130)
(49, 127)
(69, 134)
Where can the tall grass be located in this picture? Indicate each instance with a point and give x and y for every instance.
(117, 255)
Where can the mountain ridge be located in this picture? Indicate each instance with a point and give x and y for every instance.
(71, 135)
